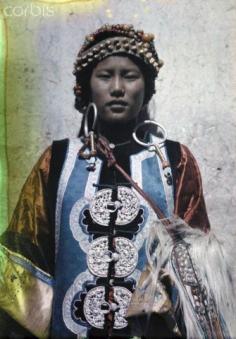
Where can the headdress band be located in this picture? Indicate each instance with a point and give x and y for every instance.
(116, 45)
(125, 40)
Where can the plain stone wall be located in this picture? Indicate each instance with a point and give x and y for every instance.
(195, 97)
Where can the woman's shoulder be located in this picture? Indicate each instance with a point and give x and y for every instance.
(56, 147)
(173, 149)
(179, 153)
(177, 149)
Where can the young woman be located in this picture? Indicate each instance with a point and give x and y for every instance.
(75, 249)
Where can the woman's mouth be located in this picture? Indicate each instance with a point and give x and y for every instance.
(117, 105)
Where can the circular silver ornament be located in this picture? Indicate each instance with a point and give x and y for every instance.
(102, 206)
(95, 306)
(123, 297)
(125, 257)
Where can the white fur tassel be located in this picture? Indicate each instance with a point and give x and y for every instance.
(212, 255)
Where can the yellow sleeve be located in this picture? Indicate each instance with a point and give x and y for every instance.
(25, 275)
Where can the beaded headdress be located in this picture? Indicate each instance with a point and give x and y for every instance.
(110, 40)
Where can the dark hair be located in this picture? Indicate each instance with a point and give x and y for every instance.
(84, 76)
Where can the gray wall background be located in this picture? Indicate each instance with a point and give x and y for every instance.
(195, 97)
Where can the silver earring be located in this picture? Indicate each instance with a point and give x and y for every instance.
(156, 146)
(91, 156)
(91, 106)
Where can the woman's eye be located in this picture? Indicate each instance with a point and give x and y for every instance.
(131, 76)
(104, 76)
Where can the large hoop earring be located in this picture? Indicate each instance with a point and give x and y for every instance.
(149, 145)
(156, 147)
(92, 106)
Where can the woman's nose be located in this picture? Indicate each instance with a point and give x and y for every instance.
(117, 87)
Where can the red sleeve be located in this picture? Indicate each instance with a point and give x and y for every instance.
(189, 200)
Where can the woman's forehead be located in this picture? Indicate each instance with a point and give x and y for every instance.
(117, 62)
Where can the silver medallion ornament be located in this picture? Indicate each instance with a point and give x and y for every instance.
(102, 206)
(95, 306)
(123, 297)
(125, 257)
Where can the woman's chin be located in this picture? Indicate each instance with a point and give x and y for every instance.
(116, 117)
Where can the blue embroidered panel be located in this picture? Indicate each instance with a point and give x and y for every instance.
(152, 183)
(72, 278)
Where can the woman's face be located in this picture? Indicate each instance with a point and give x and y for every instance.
(117, 88)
